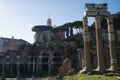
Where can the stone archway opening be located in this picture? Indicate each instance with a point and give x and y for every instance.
(45, 66)
(57, 61)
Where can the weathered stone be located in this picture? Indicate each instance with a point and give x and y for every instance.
(65, 67)
(59, 77)
(89, 73)
(71, 72)
(98, 10)
(2, 78)
(118, 78)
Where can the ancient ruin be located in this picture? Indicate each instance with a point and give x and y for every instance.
(57, 51)
(97, 11)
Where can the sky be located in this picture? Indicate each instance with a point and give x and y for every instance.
(17, 17)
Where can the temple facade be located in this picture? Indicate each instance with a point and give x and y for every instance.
(42, 59)
(97, 11)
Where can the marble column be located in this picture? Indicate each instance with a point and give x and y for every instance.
(29, 65)
(3, 67)
(50, 64)
(11, 65)
(18, 69)
(79, 63)
(100, 57)
(39, 65)
(33, 64)
(86, 36)
(40, 62)
(111, 36)
(3, 70)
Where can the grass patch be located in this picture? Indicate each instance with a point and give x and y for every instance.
(90, 77)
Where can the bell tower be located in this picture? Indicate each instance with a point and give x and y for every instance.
(49, 22)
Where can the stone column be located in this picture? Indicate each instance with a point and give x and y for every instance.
(29, 64)
(33, 67)
(111, 36)
(18, 67)
(100, 57)
(79, 63)
(50, 64)
(11, 63)
(39, 65)
(86, 36)
(3, 70)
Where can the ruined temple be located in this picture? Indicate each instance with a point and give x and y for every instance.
(55, 48)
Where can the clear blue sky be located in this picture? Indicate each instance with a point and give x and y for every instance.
(17, 17)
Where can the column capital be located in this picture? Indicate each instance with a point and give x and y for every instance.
(98, 22)
(109, 19)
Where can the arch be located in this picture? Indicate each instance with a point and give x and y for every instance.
(45, 66)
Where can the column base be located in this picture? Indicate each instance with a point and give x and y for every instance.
(18, 77)
(2, 78)
(100, 69)
(113, 68)
(33, 78)
(85, 71)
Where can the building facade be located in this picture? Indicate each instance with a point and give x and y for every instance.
(10, 44)
(42, 32)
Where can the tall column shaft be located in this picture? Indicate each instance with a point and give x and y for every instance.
(99, 46)
(18, 68)
(111, 37)
(79, 63)
(39, 65)
(86, 36)
(3, 67)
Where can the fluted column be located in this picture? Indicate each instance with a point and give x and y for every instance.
(86, 36)
(111, 36)
(100, 57)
